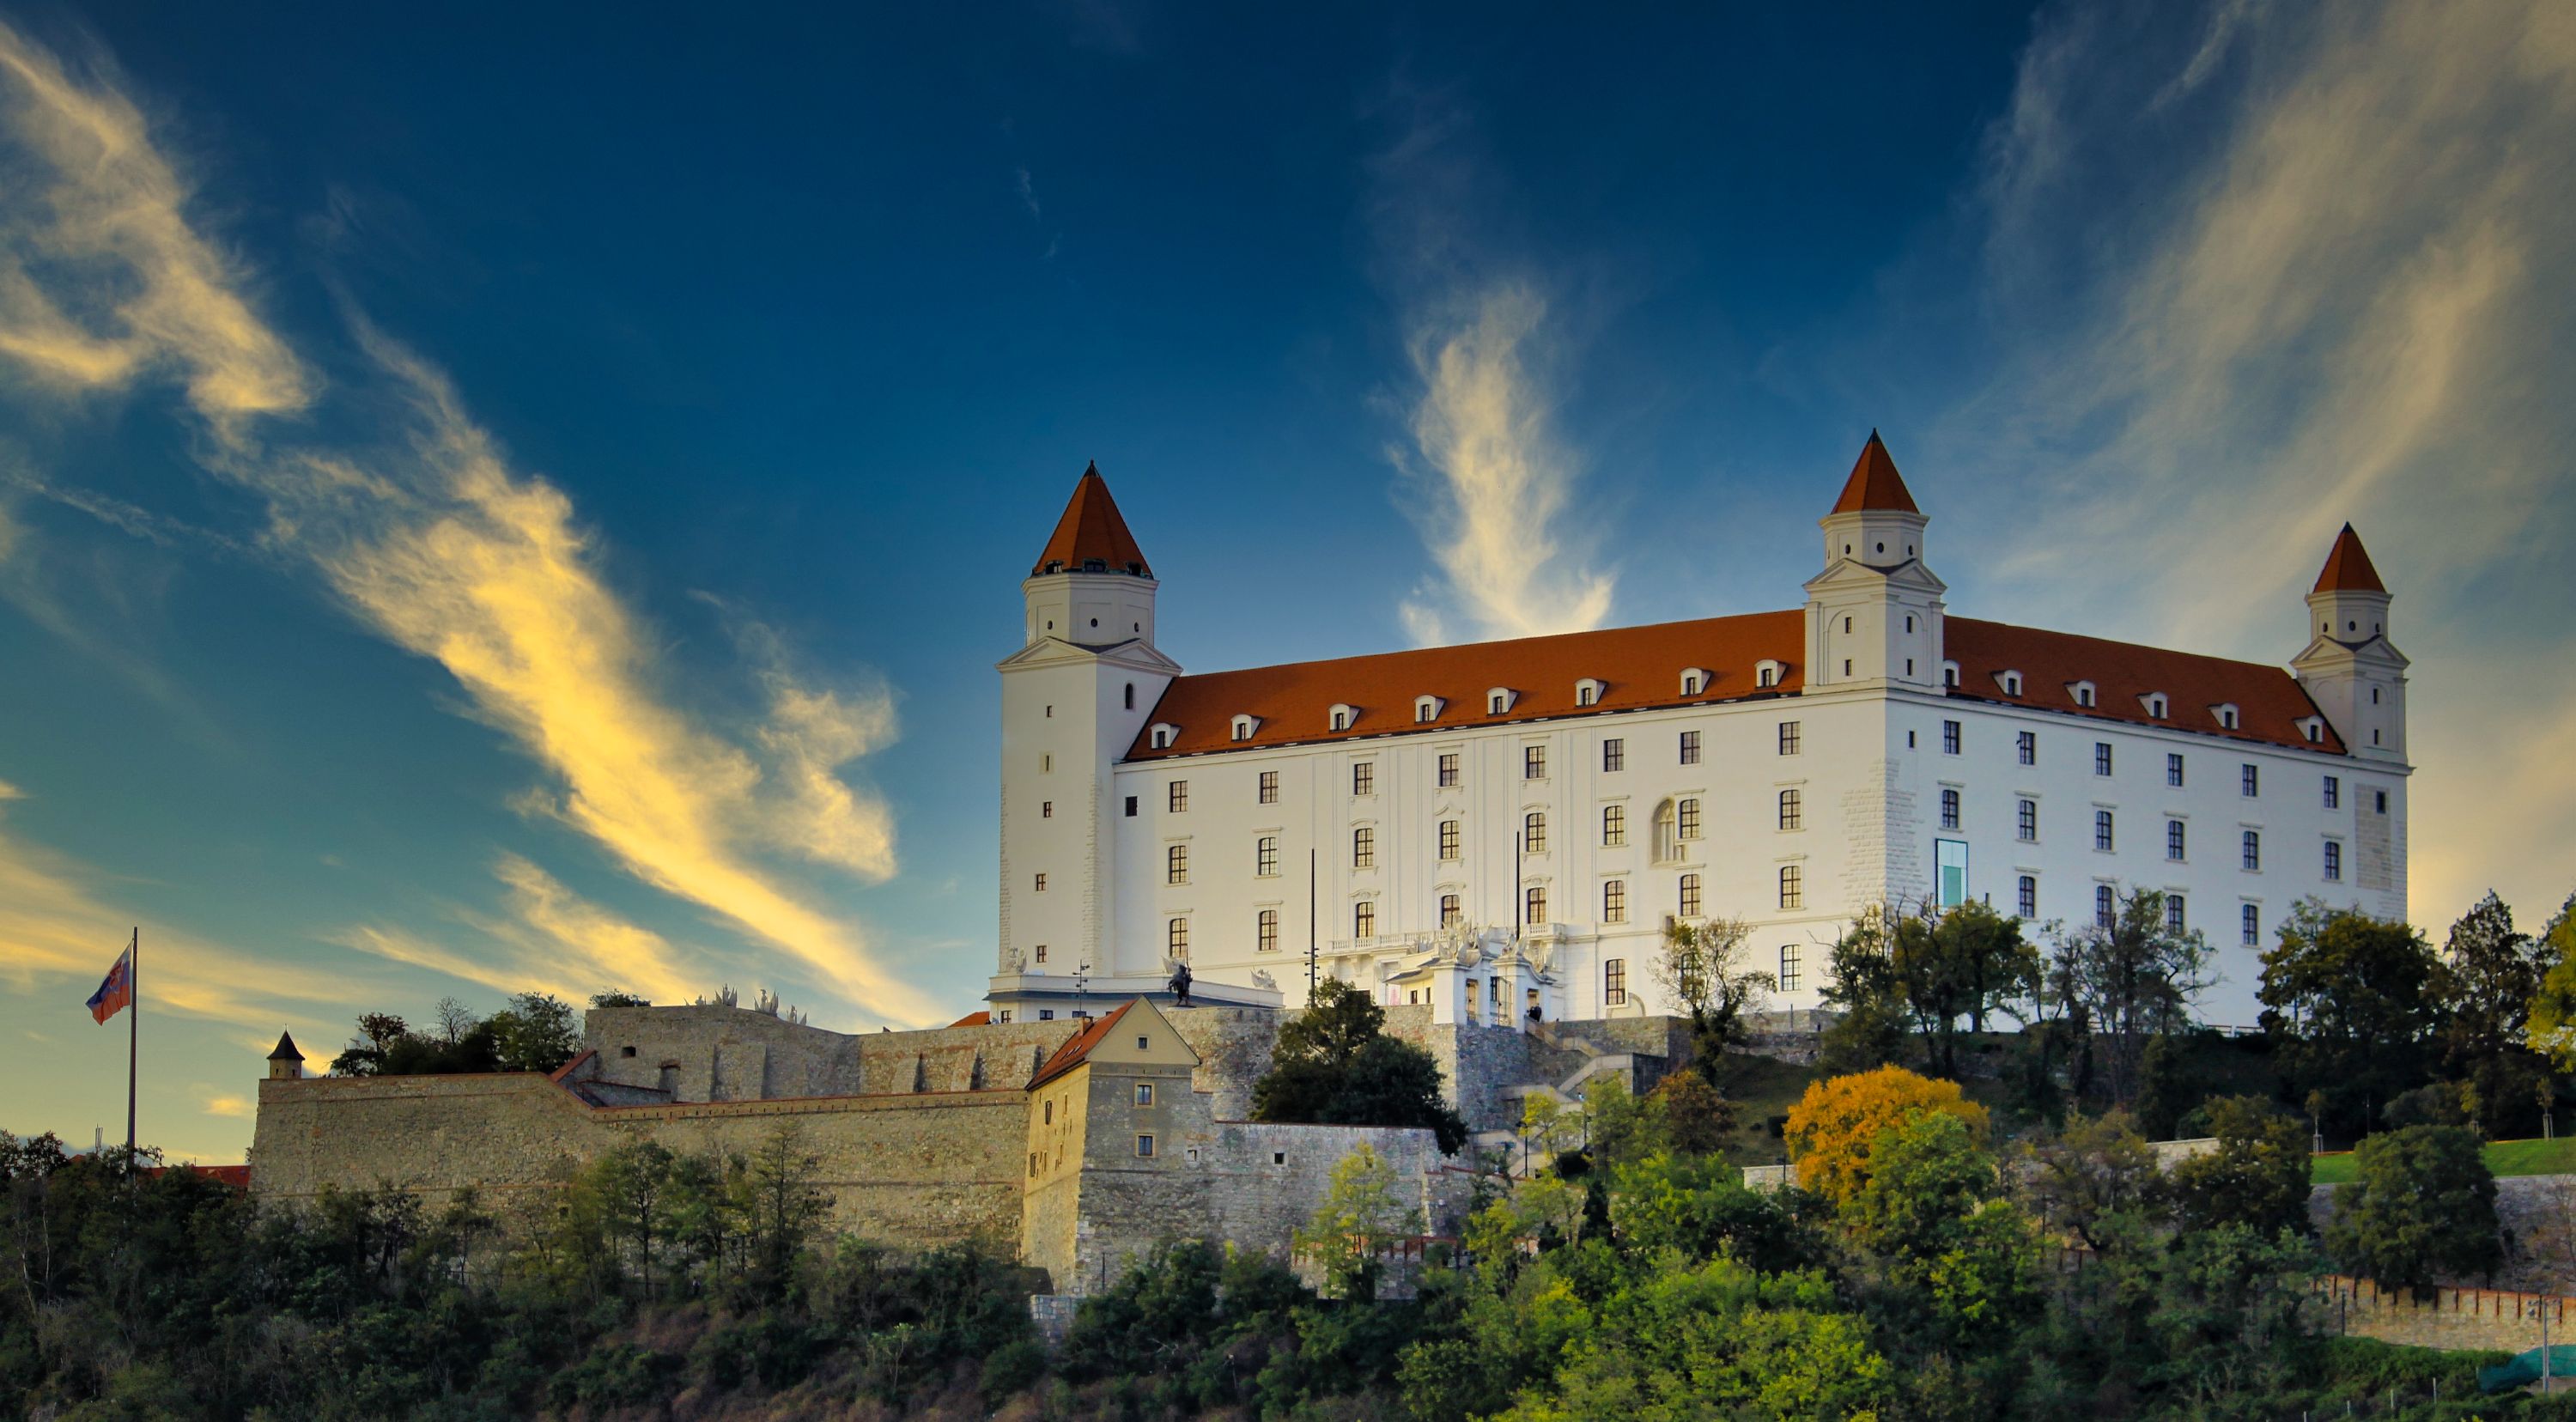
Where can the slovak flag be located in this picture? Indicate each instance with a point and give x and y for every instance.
(117, 993)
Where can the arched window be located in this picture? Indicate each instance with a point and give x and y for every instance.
(1790, 809)
(1668, 840)
(1176, 940)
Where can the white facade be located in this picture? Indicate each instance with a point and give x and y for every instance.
(1797, 829)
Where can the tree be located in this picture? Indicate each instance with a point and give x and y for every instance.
(2125, 983)
(2422, 1209)
(1961, 962)
(1619, 1125)
(1702, 967)
(378, 1032)
(1363, 1213)
(1333, 1065)
(1547, 1128)
(2095, 1180)
(1863, 985)
(2351, 999)
(535, 1032)
(1929, 1213)
(2165, 1091)
(2551, 1030)
(2486, 982)
(2256, 1177)
(1698, 1118)
(1834, 1127)
(616, 997)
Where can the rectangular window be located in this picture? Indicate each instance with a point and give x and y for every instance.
(1614, 755)
(1690, 896)
(2026, 896)
(1614, 826)
(1364, 919)
(2334, 862)
(2106, 908)
(1041, 883)
(1364, 848)
(2334, 793)
(1788, 967)
(1533, 762)
(1788, 738)
(1793, 892)
(1046, 765)
(1176, 940)
(2250, 926)
(2101, 757)
(1614, 901)
(1180, 798)
(1614, 982)
(2173, 913)
(1448, 839)
(1949, 809)
(2026, 747)
(1448, 770)
(1949, 738)
(2026, 820)
(1270, 787)
(1449, 914)
(1792, 809)
(2173, 768)
(1534, 832)
(1046, 809)
(1534, 906)
(2173, 840)
(1176, 864)
(1265, 857)
(2250, 781)
(1690, 747)
(1950, 872)
(2253, 852)
(2102, 830)
(1265, 931)
(1131, 807)
(2379, 802)
(1144, 1147)
(1041, 952)
(1144, 1093)
(1364, 778)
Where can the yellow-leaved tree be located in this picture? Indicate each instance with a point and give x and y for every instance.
(1833, 1127)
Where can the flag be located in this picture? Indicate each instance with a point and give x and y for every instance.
(117, 992)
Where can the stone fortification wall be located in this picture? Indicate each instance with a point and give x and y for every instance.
(2537, 1216)
(1234, 1045)
(735, 1054)
(2464, 1319)
(1476, 1061)
(919, 1169)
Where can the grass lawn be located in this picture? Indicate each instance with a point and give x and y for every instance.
(2556, 1157)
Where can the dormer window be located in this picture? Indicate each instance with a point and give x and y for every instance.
(1587, 692)
(1767, 672)
(1499, 699)
(1950, 675)
(1426, 709)
(2313, 728)
(2082, 691)
(1694, 681)
(2010, 681)
(1343, 717)
(1244, 726)
(2225, 711)
(2155, 704)
(1161, 735)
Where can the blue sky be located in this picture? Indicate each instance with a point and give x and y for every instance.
(535, 500)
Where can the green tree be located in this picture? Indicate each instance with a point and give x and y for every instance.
(2257, 1176)
(378, 1032)
(2486, 982)
(1959, 964)
(1931, 1214)
(1698, 1118)
(1619, 1125)
(1868, 996)
(2551, 1030)
(617, 997)
(1334, 1065)
(2165, 1088)
(1702, 966)
(2351, 1001)
(2126, 983)
(2421, 1209)
(536, 1032)
(1363, 1212)
(2096, 1180)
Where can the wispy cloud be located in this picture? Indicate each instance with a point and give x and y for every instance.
(436, 543)
(2346, 304)
(545, 938)
(223, 1103)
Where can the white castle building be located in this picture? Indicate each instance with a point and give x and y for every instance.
(1505, 826)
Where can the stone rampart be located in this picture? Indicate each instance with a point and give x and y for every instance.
(716, 1053)
(2460, 1319)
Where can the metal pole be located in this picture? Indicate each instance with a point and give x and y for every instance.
(133, 1032)
(1310, 926)
(1520, 899)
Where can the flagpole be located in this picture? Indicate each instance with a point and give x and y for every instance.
(133, 1032)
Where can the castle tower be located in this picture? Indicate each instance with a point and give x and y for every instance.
(1074, 698)
(285, 1063)
(2350, 669)
(1874, 613)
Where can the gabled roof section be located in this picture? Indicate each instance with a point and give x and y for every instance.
(1091, 533)
(2270, 702)
(1638, 666)
(974, 1019)
(2348, 567)
(285, 1050)
(1077, 1048)
(1874, 483)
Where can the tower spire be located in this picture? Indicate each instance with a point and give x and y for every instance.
(1874, 485)
(1091, 537)
(2348, 567)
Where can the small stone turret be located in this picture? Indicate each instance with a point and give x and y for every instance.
(286, 1063)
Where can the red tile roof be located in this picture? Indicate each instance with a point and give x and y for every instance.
(974, 1019)
(2348, 567)
(1090, 532)
(1642, 667)
(1078, 1047)
(1874, 483)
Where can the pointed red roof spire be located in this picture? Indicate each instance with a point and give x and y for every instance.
(2348, 567)
(1874, 483)
(1091, 537)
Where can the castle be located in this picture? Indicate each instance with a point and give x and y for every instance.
(1490, 840)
